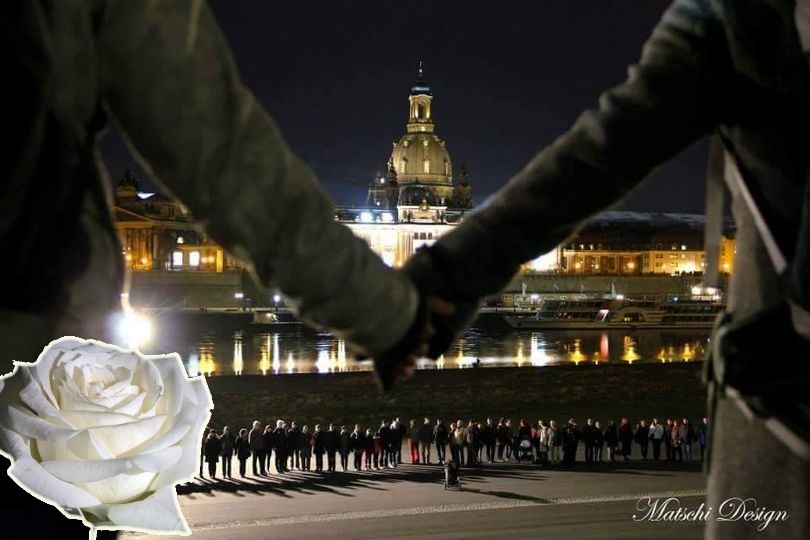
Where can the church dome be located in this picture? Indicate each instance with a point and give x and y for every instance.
(422, 157)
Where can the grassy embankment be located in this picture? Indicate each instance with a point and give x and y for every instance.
(597, 391)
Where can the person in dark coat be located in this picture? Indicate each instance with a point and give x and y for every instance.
(242, 449)
(206, 431)
(489, 442)
(395, 432)
(598, 442)
(524, 434)
(570, 438)
(501, 438)
(280, 446)
(611, 439)
(668, 439)
(425, 441)
(357, 445)
(625, 438)
(268, 439)
(385, 443)
(735, 69)
(440, 435)
(344, 447)
(305, 443)
(473, 442)
(332, 445)
(703, 438)
(212, 453)
(589, 438)
(642, 437)
(368, 448)
(257, 449)
(227, 442)
(318, 447)
(294, 446)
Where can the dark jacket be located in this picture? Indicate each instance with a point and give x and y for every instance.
(242, 448)
(345, 443)
(319, 442)
(280, 440)
(212, 449)
(642, 435)
(440, 434)
(426, 434)
(332, 441)
(256, 439)
(612, 436)
(226, 444)
(268, 441)
(625, 434)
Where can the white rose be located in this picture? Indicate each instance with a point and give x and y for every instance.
(104, 434)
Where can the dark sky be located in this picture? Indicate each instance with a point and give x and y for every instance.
(507, 78)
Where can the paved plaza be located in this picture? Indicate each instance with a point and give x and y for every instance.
(501, 500)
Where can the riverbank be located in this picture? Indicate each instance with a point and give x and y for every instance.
(580, 391)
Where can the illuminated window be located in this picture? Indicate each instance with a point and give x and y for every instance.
(177, 258)
(180, 240)
(426, 166)
(194, 258)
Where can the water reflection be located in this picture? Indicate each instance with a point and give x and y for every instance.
(299, 350)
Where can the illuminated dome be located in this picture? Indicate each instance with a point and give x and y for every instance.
(421, 156)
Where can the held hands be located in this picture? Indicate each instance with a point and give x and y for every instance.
(440, 320)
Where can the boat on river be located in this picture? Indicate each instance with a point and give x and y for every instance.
(620, 314)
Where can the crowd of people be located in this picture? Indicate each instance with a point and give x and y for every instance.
(288, 447)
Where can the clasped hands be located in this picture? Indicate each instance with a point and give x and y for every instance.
(440, 320)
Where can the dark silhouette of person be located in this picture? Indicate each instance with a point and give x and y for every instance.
(737, 70)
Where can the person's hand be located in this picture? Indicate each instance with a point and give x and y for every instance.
(399, 362)
(450, 313)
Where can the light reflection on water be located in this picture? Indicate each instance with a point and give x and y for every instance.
(297, 350)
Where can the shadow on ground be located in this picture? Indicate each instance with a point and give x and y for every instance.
(289, 484)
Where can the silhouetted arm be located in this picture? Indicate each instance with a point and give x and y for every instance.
(170, 83)
(671, 98)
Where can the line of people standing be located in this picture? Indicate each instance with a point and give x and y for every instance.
(287, 447)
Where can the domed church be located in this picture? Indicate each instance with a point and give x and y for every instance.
(420, 157)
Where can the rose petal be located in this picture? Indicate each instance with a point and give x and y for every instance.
(123, 438)
(82, 446)
(70, 400)
(89, 419)
(93, 470)
(77, 470)
(133, 407)
(121, 488)
(148, 379)
(174, 378)
(33, 396)
(25, 423)
(12, 444)
(182, 424)
(158, 513)
(36, 480)
(158, 461)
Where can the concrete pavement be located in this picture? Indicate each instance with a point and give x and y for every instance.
(497, 501)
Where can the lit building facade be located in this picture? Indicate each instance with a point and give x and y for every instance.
(631, 243)
(157, 233)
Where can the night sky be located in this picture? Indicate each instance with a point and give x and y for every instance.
(507, 78)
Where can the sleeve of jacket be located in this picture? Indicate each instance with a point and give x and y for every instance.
(170, 84)
(670, 98)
